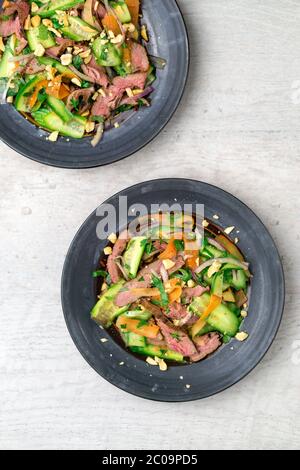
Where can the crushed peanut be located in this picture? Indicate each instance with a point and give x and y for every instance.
(10, 99)
(27, 23)
(90, 126)
(107, 250)
(244, 313)
(103, 42)
(87, 60)
(103, 340)
(137, 91)
(104, 286)
(85, 54)
(53, 136)
(110, 34)
(161, 364)
(205, 223)
(228, 230)
(129, 92)
(77, 50)
(102, 92)
(188, 386)
(116, 125)
(168, 263)
(214, 268)
(151, 361)
(34, 7)
(112, 238)
(54, 31)
(39, 50)
(95, 96)
(117, 39)
(66, 59)
(36, 21)
(191, 283)
(76, 81)
(47, 23)
(144, 33)
(242, 336)
(2, 47)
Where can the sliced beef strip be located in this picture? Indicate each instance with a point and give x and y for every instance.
(206, 345)
(21, 7)
(176, 339)
(139, 58)
(117, 250)
(84, 94)
(189, 292)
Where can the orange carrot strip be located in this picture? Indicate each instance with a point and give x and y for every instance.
(131, 324)
(110, 23)
(134, 9)
(170, 251)
(34, 96)
(215, 301)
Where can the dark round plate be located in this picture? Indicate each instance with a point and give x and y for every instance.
(232, 361)
(169, 40)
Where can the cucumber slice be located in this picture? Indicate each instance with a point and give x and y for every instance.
(105, 311)
(132, 339)
(59, 108)
(222, 319)
(239, 280)
(217, 284)
(51, 121)
(122, 11)
(40, 35)
(50, 8)
(79, 30)
(139, 314)
(151, 350)
(133, 255)
(55, 63)
(7, 68)
(21, 100)
(107, 55)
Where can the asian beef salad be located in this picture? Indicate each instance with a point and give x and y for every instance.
(75, 67)
(168, 298)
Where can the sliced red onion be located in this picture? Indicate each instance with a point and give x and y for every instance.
(123, 271)
(146, 92)
(120, 118)
(81, 75)
(21, 58)
(216, 244)
(158, 62)
(98, 136)
(223, 261)
(164, 273)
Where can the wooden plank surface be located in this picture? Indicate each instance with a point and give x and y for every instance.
(238, 128)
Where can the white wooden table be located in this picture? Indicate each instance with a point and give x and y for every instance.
(238, 128)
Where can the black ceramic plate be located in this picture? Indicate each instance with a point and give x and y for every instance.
(168, 40)
(232, 361)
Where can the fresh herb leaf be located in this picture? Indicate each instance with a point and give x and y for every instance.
(175, 336)
(183, 274)
(141, 323)
(124, 107)
(97, 118)
(85, 84)
(179, 245)
(26, 50)
(100, 273)
(141, 279)
(56, 23)
(159, 285)
(77, 61)
(75, 103)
